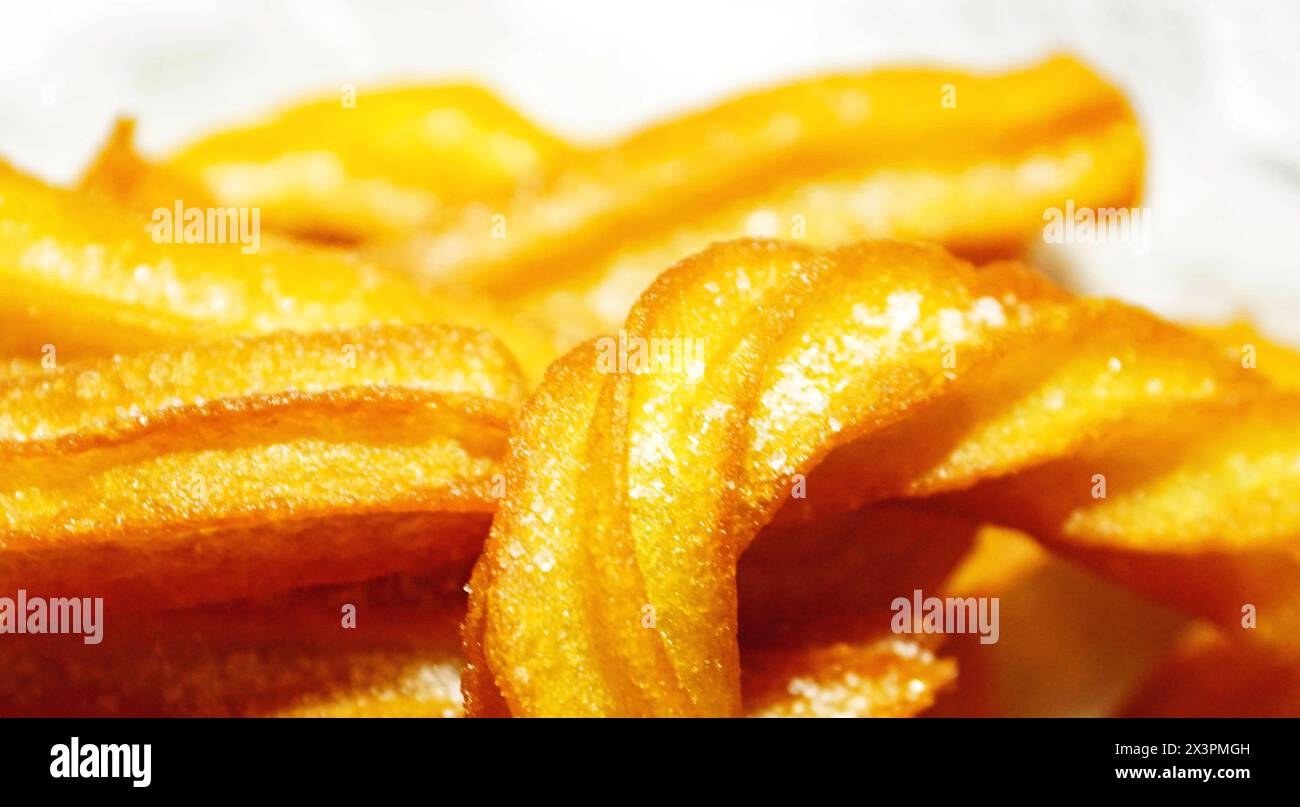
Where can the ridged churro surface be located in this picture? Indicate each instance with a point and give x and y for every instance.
(878, 371)
(240, 467)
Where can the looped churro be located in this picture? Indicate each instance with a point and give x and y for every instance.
(878, 371)
(231, 435)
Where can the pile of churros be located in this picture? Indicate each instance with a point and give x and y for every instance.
(396, 404)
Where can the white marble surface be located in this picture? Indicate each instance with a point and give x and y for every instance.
(1217, 85)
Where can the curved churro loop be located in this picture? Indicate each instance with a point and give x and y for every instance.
(249, 466)
(967, 160)
(876, 371)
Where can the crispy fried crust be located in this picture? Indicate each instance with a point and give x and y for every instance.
(240, 467)
(875, 371)
(88, 277)
(84, 276)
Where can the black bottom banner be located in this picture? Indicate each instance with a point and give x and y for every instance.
(205, 757)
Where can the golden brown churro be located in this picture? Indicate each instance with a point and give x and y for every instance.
(90, 278)
(876, 371)
(249, 466)
(388, 647)
(970, 161)
(568, 237)
(86, 275)
(712, 504)
(373, 164)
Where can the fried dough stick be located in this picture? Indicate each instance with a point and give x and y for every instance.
(871, 372)
(249, 466)
(563, 240)
(304, 653)
(290, 655)
(84, 277)
(373, 165)
(87, 276)
(967, 160)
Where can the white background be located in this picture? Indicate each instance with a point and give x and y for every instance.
(1216, 84)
